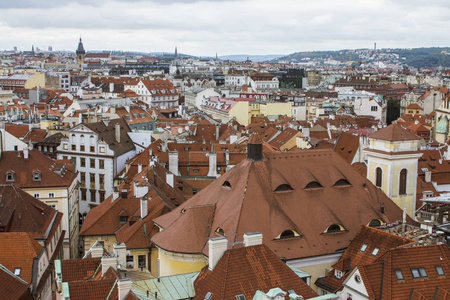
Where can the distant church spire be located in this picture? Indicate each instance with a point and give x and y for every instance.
(80, 53)
(32, 49)
(176, 52)
(217, 57)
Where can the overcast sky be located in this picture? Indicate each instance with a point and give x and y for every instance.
(226, 27)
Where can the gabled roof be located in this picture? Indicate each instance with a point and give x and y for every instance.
(17, 250)
(35, 135)
(21, 212)
(346, 146)
(244, 200)
(19, 131)
(13, 287)
(52, 173)
(79, 269)
(393, 133)
(246, 270)
(380, 279)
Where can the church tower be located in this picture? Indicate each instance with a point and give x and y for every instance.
(393, 159)
(80, 53)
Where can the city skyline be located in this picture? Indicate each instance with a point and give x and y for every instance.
(204, 28)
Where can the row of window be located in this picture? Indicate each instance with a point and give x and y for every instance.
(286, 187)
(402, 182)
(10, 175)
(92, 177)
(93, 194)
(92, 163)
(419, 273)
(50, 195)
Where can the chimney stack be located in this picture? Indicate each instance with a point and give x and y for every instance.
(139, 168)
(97, 251)
(217, 247)
(173, 162)
(108, 262)
(115, 194)
(124, 287)
(144, 207)
(120, 251)
(253, 238)
(25, 152)
(212, 172)
(170, 179)
(254, 147)
(117, 131)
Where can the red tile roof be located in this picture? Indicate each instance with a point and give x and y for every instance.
(246, 270)
(13, 287)
(252, 204)
(394, 132)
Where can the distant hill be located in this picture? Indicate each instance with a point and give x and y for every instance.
(255, 58)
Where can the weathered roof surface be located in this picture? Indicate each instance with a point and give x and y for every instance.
(96, 289)
(382, 271)
(79, 269)
(17, 250)
(52, 173)
(246, 270)
(244, 200)
(35, 135)
(19, 131)
(394, 132)
(21, 212)
(168, 287)
(347, 146)
(13, 287)
(108, 134)
(354, 256)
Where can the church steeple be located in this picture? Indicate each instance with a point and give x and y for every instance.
(176, 52)
(80, 53)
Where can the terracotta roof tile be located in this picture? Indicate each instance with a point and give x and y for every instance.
(394, 132)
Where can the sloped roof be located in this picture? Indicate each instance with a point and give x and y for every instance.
(21, 212)
(346, 146)
(251, 204)
(246, 270)
(19, 131)
(108, 134)
(53, 173)
(13, 287)
(79, 269)
(382, 271)
(17, 250)
(393, 133)
(35, 135)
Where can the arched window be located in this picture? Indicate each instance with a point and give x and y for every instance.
(375, 223)
(342, 182)
(287, 234)
(283, 188)
(82, 139)
(73, 138)
(402, 182)
(334, 228)
(220, 231)
(378, 176)
(313, 185)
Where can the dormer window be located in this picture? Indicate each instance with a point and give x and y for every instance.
(337, 274)
(375, 223)
(123, 216)
(287, 234)
(375, 251)
(334, 228)
(363, 248)
(342, 182)
(220, 231)
(227, 184)
(36, 175)
(284, 188)
(17, 271)
(10, 176)
(313, 185)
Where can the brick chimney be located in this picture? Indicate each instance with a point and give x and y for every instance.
(173, 162)
(217, 247)
(124, 287)
(108, 262)
(253, 238)
(144, 207)
(117, 132)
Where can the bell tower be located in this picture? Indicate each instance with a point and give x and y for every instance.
(80, 53)
(392, 160)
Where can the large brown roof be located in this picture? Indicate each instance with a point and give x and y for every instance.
(381, 282)
(17, 250)
(394, 132)
(21, 212)
(13, 287)
(244, 200)
(108, 134)
(347, 146)
(246, 270)
(53, 173)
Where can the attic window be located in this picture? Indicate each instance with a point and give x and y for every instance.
(342, 182)
(375, 251)
(287, 234)
(183, 211)
(10, 176)
(17, 271)
(123, 216)
(36, 175)
(208, 296)
(241, 297)
(334, 228)
(399, 275)
(418, 273)
(220, 231)
(283, 188)
(227, 184)
(313, 185)
(363, 248)
(375, 223)
(440, 271)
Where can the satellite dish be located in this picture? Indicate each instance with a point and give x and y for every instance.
(128, 253)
